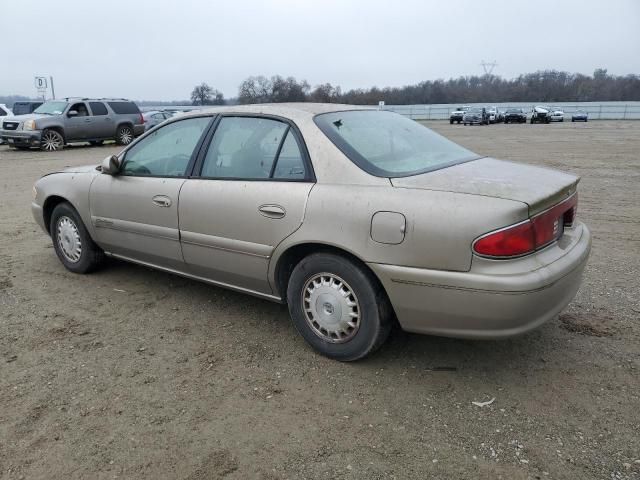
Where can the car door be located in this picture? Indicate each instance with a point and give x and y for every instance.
(102, 125)
(135, 213)
(77, 126)
(250, 193)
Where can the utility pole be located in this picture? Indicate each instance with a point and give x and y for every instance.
(53, 90)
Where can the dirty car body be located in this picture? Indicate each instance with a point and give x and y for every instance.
(353, 217)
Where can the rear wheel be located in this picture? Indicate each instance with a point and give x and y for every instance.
(338, 307)
(51, 141)
(124, 135)
(71, 241)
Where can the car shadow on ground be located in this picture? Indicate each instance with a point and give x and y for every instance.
(426, 352)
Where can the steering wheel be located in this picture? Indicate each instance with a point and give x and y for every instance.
(177, 164)
(134, 167)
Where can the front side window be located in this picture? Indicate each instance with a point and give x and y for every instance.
(81, 108)
(387, 144)
(244, 148)
(167, 151)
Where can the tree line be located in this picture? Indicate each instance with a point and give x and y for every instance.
(541, 86)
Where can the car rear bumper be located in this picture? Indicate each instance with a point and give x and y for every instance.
(21, 138)
(494, 302)
(138, 129)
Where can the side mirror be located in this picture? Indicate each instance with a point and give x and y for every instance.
(111, 165)
(72, 113)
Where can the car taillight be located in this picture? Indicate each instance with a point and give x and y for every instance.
(530, 235)
(141, 119)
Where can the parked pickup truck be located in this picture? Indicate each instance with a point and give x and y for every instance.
(458, 114)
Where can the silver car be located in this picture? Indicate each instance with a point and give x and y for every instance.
(355, 218)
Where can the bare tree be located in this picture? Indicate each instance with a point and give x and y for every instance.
(203, 94)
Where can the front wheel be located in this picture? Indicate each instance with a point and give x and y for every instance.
(338, 307)
(124, 135)
(51, 141)
(71, 241)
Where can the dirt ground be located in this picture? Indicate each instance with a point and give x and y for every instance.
(132, 373)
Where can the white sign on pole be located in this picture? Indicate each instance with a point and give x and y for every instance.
(41, 83)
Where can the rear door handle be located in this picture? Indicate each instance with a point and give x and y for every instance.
(272, 211)
(162, 201)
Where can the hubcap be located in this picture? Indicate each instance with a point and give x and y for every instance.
(126, 136)
(331, 308)
(69, 239)
(51, 141)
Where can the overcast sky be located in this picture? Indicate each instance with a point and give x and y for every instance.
(158, 50)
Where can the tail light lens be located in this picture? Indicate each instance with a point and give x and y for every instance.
(141, 120)
(530, 235)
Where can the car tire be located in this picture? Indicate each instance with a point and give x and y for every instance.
(124, 135)
(450, 122)
(51, 141)
(328, 290)
(96, 143)
(74, 246)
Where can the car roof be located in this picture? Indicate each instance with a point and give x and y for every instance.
(288, 110)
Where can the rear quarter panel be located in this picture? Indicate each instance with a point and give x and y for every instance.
(440, 226)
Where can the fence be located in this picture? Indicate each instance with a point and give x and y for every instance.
(595, 110)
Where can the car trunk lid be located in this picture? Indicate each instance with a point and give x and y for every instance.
(540, 188)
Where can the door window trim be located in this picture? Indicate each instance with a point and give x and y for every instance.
(194, 155)
(309, 177)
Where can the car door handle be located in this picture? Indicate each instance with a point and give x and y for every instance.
(272, 211)
(162, 201)
(87, 120)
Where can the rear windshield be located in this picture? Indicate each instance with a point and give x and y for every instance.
(386, 144)
(124, 108)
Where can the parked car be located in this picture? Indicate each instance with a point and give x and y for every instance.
(515, 115)
(476, 116)
(492, 112)
(500, 116)
(579, 116)
(154, 117)
(25, 108)
(557, 116)
(4, 112)
(540, 114)
(458, 114)
(354, 217)
(58, 122)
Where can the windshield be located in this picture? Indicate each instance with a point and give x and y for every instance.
(387, 144)
(513, 110)
(51, 108)
(475, 110)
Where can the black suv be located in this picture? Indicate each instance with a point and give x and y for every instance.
(24, 108)
(58, 122)
(515, 115)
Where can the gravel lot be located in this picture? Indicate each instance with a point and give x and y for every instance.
(132, 373)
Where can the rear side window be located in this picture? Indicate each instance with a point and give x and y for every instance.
(244, 148)
(124, 108)
(3, 112)
(98, 108)
(290, 164)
